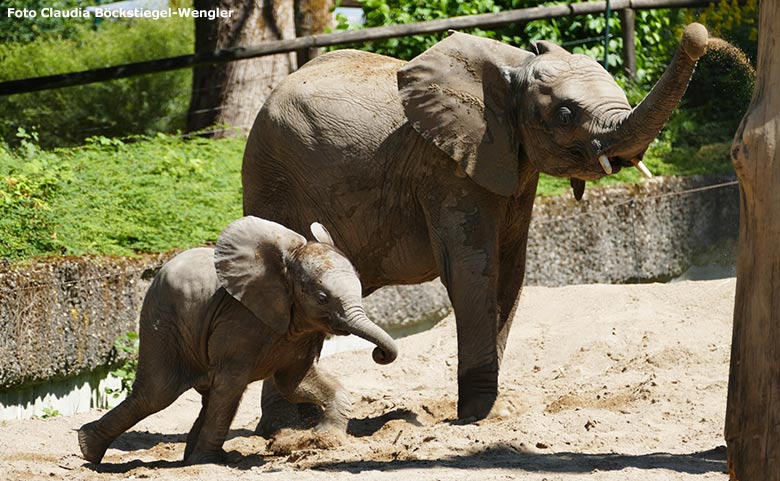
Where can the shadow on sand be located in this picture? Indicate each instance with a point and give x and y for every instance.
(510, 458)
(144, 440)
(498, 456)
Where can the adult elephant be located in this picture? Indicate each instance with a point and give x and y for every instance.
(429, 168)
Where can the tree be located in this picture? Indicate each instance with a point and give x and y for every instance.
(311, 17)
(232, 93)
(753, 409)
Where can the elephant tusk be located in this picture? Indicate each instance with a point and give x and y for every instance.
(604, 161)
(642, 168)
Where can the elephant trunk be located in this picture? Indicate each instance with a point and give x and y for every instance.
(642, 125)
(356, 322)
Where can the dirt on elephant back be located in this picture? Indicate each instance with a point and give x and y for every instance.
(598, 382)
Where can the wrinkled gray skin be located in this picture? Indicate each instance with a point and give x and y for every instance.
(429, 168)
(258, 306)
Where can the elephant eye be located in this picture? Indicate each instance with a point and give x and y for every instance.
(565, 115)
(322, 297)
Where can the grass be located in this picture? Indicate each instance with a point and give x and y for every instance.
(117, 197)
(154, 194)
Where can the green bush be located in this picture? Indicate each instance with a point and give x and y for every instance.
(137, 105)
(732, 20)
(125, 347)
(117, 197)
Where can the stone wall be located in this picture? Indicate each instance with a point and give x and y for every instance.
(653, 231)
(60, 317)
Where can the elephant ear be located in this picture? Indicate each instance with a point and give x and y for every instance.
(456, 95)
(543, 46)
(250, 258)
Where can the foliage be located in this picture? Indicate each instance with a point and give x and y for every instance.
(137, 105)
(49, 412)
(127, 347)
(726, 73)
(115, 196)
(14, 29)
(732, 20)
(28, 29)
(657, 31)
(28, 182)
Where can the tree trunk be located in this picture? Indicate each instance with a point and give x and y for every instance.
(231, 94)
(627, 23)
(753, 409)
(311, 17)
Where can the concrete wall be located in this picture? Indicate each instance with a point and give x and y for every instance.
(59, 318)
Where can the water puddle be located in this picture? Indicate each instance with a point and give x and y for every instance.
(707, 273)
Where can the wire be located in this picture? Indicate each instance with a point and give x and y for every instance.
(592, 212)
(648, 198)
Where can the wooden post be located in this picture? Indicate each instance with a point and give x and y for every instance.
(753, 409)
(627, 20)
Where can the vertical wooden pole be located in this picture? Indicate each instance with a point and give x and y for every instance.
(627, 19)
(753, 409)
(607, 14)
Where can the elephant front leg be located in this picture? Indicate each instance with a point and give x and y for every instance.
(278, 413)
(466, 240)
(320, 388)
(219, 409)
(473, 298)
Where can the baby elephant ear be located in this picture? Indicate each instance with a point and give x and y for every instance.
(250, 258)
(457, 96)
(321, 234)
(541, 47)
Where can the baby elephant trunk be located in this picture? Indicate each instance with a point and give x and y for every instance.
(357, 323)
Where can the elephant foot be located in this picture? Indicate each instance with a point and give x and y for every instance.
(477, 393)
(333, 427)
(286, 415)
(216, 456)
(500, 410)
(475, 408)
(93, 445)
(288, 441)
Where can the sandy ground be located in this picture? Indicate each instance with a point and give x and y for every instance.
(601, 382)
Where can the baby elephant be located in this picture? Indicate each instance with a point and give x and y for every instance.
(257, 306)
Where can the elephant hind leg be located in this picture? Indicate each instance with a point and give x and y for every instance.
(97, 436)
(192, 437)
